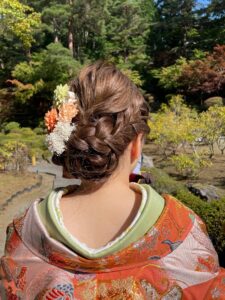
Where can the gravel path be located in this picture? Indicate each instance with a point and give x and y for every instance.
(20, 203)
(50, 168)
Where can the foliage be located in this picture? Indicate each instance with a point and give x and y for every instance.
(189, 165)
(33, 140)
(11, 126)
(24, 92)
(174, 31)
(127, 29)
(161, 45)
(213, 214)
(163, 183)
(169, 76)
(179, 132)
(212, 19)
(13, 156)
(134, 76)
(173, 126)
(19, 20)
(55, 17)
(212, 126)
(38, 131)
(98, 29)
(205, 75)
(44, 72)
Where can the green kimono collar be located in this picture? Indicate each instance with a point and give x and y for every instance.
(150, 210)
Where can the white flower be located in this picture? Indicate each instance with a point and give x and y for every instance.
(57, 138)
(72, 97)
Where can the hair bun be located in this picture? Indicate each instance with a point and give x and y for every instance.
(112, 111)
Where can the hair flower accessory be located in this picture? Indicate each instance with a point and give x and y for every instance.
(59, 119)
(51, 119)
(67, 111)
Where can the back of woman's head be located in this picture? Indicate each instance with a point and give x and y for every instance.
(112, 112)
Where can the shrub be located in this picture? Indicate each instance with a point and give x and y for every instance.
(11, 126)
(34, 142)
(173, 126)
(162, 182)
(180, 130)
(14, 156)
(189, 165)
(38, 130)
(212, 126)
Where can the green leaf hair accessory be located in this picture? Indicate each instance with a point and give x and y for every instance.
(60, 94)
(59, 120)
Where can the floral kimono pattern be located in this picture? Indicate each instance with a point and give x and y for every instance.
(174, 260)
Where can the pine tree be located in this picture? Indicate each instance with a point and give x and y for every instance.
(212, 20)
(174, 30)
(127, 30)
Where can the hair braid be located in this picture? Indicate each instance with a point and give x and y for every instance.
(112, 112)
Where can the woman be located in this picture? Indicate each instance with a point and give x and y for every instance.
(108, 238)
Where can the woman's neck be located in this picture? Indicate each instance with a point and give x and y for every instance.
(101, 216)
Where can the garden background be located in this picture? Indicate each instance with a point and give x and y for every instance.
(173, 50)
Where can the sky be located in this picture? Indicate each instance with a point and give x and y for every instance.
(203, 2)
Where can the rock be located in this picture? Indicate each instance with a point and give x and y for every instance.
(213, 101)
(147, 162)
(206, 191)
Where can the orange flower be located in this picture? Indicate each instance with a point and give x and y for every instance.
(51, 118)
(67, 111)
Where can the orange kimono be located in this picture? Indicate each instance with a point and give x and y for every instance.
(174, 260)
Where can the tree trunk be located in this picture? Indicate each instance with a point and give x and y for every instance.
(70, 31)
(70, 41)
(56, 34)
(56, 39)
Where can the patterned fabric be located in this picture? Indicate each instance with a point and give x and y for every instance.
(174, 260)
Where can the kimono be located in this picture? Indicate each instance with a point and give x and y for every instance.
(174, 260)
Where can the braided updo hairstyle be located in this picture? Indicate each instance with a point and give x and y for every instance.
(112, 112)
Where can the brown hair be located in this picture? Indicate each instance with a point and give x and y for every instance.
(112, 111)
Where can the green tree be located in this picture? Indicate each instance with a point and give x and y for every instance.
(211, 24)
(175, 128)
(174, 31)
(35, 81)
(212, 127)
(168, 77)
(19, 20)
(127, 30)
(98, 29)
(44, 71)
(55, 16)
(18, 23)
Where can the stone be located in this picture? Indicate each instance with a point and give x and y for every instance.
(147, 162)
(206, 192)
